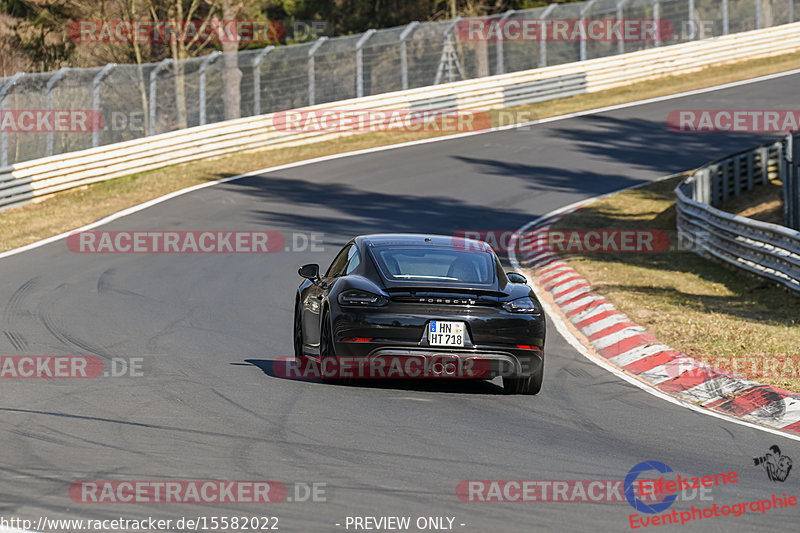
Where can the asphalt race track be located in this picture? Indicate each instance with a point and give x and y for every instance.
(209, 405)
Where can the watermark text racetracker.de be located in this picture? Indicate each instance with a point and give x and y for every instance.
(193, 242)
(570, 30)
(561, 491)
(50, 120)
(396, 367)
(70, 367)
(734, 120)
(195, 492)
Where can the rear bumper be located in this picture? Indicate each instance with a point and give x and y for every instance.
(473, 364)
(497, 342)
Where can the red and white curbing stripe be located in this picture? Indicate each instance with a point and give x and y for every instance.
(628, 347)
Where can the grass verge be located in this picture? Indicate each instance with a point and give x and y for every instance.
(706, 310)
(764, 203)
(71, 209)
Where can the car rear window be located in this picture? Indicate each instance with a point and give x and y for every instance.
(436, 264)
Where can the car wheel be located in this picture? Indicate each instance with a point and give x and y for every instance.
(527, 385)
(326, 349)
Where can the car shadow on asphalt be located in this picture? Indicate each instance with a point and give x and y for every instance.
(278, 369)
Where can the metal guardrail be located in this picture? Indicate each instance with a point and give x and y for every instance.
(767, 250)
(32, 180)
(135, 101)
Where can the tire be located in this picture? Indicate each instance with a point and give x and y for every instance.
(327, 349)
(526, 385)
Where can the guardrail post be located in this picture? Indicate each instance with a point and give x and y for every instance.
(96, 101)
(543, 40)
(582, 22)
(3, 133)
(737, 175)
(692, 29)
(620, 15)
(715, 195)
(202, 71)
(708, 187)
(312, 75)
(785, 169)
(794, 201)
(257, 78)
(51, 83)
(360, 62)
(791, 184)
(501, 59)
(153, 75)
(725, 21)
(763, 156)
(404, 53)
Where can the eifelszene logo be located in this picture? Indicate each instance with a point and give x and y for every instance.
(630, 482)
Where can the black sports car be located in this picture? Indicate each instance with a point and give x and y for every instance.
(399, 305)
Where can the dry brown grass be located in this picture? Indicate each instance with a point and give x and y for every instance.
(32, 222)
(702, 308)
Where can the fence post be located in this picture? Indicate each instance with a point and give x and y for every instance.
(656, 16)
(3, 134)
(312, 75)
(360, 62)
(51, 83)
(257, 78)
(96, 102)
(620, 13)
(758, 14)
(404, 53)
(692, 29)
(501, 59)
(582, 22)
(203, 66)
(725, 21)
(543, 40)
(153, 75)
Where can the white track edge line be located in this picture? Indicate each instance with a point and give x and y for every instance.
(562, 328)
(174, 194)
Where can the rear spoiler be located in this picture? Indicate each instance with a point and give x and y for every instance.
(466, 290)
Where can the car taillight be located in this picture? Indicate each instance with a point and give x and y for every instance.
(357, 339)
(522, 305)
(529, 347)
(357, 298)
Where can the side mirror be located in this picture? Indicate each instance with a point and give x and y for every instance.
(310, 271)
(516, 277)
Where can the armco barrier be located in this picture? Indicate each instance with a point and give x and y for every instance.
(31, 180)
(767, 250)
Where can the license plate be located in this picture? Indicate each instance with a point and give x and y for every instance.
(445, 333)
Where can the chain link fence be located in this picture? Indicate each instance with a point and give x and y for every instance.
(73, 109)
